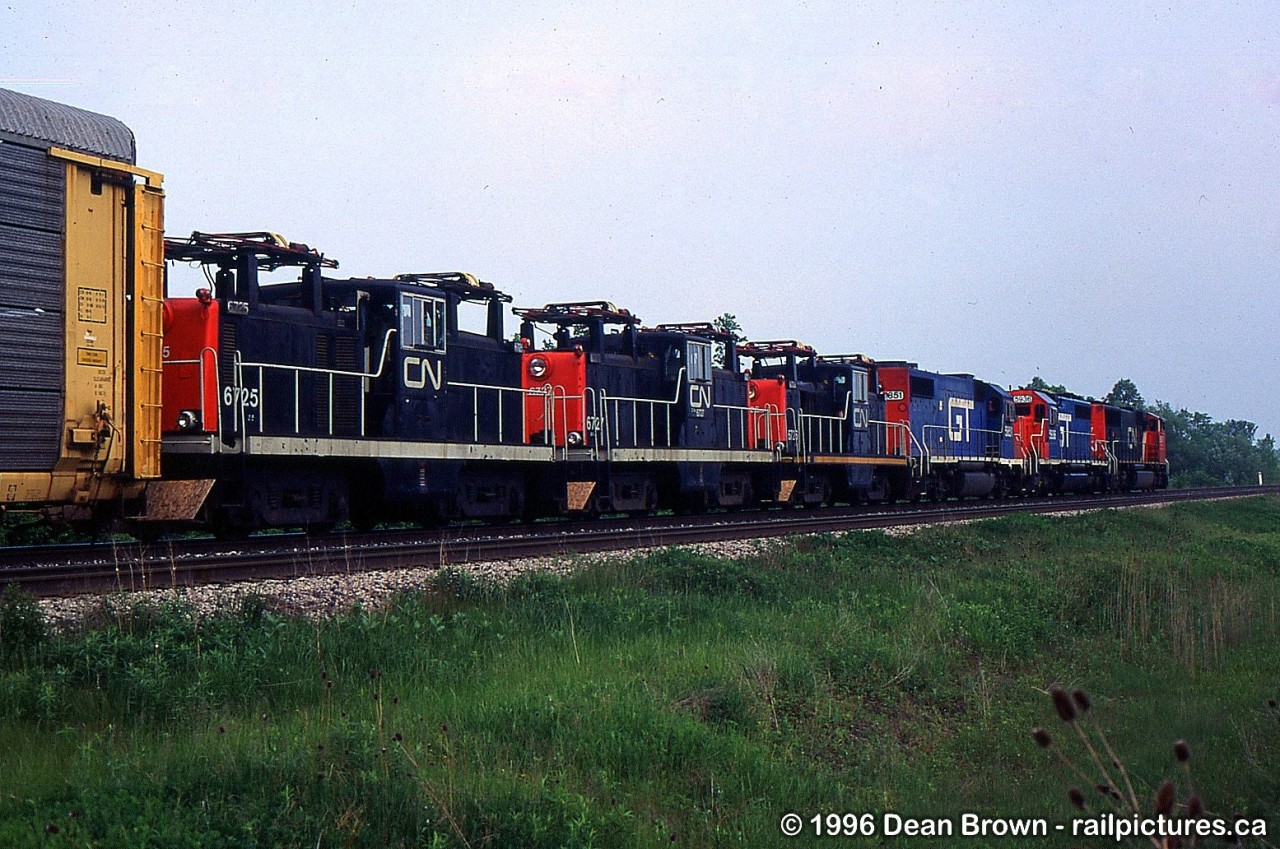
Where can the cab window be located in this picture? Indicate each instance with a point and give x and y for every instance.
(422, 322)
(700, 361)
(860, 387)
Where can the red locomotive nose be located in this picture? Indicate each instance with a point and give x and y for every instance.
(768, 400)
(191, 364)
(555, 405)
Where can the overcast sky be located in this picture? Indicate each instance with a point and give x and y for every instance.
(1083, 191)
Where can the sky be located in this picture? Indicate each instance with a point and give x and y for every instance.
(1082, 191)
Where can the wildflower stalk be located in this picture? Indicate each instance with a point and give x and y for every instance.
(1067, 712)
(1043, 739)
(1124, 773)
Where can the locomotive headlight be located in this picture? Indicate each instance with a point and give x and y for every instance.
(537, 367)
(188, 420)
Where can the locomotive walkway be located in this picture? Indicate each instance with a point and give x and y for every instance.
(50, 571)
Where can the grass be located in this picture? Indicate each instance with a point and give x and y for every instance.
(671, 698)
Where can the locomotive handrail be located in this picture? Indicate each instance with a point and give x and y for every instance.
(1030, 457)
(836, 441)
(563, 397)
(674, 400)
(386, 342)
(1113, 463)
(748, 420)
(297, 370)
(792, 415)
(475, 405)
(975, 446)
(653, 403)
(594, 413)
(765, 417)
(762, 419)
(906, 439)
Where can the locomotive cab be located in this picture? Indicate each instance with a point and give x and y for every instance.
(856, 413)
(1035, 427)
(1153, 440)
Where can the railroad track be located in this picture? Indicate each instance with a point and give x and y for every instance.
(106, 566)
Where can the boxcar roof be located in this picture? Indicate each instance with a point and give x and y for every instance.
(43, 123)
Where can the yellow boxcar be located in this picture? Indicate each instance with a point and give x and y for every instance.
(81, 311)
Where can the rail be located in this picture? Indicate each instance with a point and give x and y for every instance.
(107, 567)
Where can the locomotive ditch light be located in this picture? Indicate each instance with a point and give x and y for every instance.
(188, 420)
(575, 438)
(537, 368)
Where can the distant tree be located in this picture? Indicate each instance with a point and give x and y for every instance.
(727, 323)
(1039, 384)
(1125, 394)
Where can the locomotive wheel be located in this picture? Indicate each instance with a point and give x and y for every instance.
(146, 532)
(227, 528)
(229, 532)
(363, 520)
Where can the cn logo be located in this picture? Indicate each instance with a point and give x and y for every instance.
(418, 371)
(700, 397)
